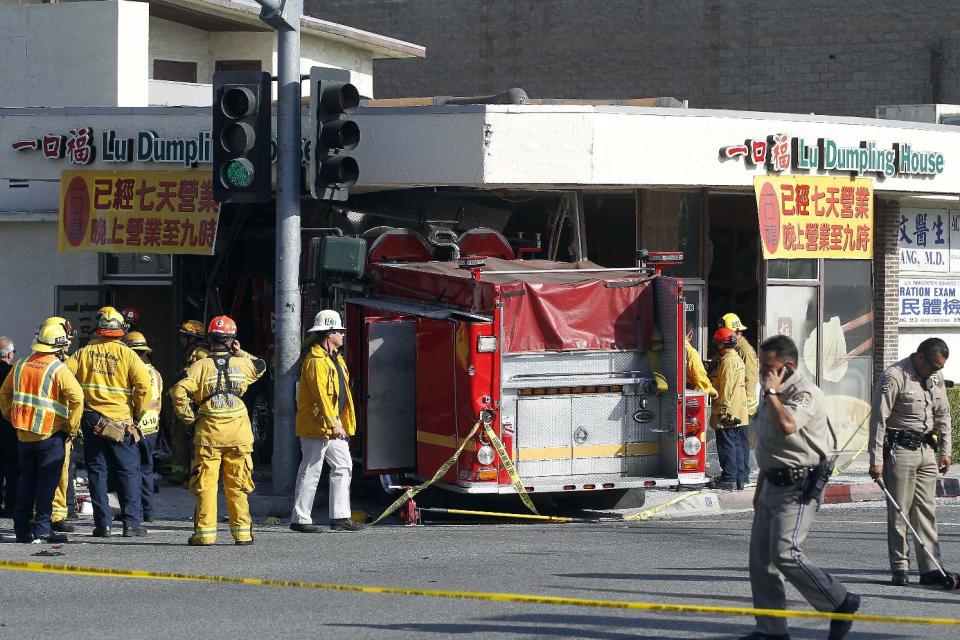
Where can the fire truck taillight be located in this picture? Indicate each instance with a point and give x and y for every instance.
(693, 427)
(485, 455)
(486, 474)
(692, 445)
(486, 344)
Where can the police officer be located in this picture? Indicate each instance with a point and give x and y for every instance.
(792, 437)
(210, 397)
(910, 421)
(43, 402)
(116, 392)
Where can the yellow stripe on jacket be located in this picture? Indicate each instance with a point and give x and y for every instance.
(40, 396)
(115, 381)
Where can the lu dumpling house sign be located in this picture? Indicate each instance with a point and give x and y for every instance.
(817, 216)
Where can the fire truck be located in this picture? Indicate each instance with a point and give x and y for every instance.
(578, 369)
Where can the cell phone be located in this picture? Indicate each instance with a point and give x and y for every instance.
(786, 371)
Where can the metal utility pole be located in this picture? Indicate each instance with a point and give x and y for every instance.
(284, 16)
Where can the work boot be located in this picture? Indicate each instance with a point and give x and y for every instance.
(760, 635)
(840, 628)
(25, 539)
(52, 538)
(148, 517)
(135, 532)
(931, 577)
(197, 541)
(101, 532)
(345, 524)
(900, 579)
(740, 486)
(305, 528)
(243, 543)
(721, 485)
(62, 526)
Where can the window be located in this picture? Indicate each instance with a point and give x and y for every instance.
(138, 266)
(799, 269)
(175, 71)
(239, 65)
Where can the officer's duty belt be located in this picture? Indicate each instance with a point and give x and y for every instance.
(786, 476)
(907, 439)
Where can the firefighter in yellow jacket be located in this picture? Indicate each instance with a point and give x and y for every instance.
(43, 401)
(697, 377)
(149, 423)
(729, 414)
(116, 392)
(325, 422)
(60, 508)
(750, 362)
(193, 342)
(210, 398)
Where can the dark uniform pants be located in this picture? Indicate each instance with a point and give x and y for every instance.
(40, 464)
(911, 478)
(9, 466)
(123, 460)
(733, 452)
(780, 525)
(146, 446)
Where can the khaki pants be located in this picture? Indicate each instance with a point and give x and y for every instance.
(236, 466)
(60, 509)
(780, 525)
(911, 478)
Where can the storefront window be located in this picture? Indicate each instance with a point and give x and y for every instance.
(792, 269)
(138, 265)
(792, 311)
(847, 352)
(671, 221)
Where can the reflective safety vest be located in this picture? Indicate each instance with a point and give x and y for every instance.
(35, 403)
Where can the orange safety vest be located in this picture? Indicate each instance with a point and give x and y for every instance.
(35, 391)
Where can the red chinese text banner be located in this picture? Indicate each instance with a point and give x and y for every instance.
(815, 217)
(138, 212)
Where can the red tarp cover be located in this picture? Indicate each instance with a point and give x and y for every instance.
(552, 306)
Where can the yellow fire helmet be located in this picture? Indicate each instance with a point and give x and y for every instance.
(193, 328)
(110, 323)
(50, 339)
(71, 332)
(732, 321)
(136, 341)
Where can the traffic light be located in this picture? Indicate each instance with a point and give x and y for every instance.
(241, 136)
(331, 97)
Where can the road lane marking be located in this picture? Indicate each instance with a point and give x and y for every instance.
(39, 567)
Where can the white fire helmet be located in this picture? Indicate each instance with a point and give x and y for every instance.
(327, 320)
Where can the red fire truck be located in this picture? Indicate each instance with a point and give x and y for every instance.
(564, 357)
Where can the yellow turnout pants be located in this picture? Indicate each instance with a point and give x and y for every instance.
(59, 513)
(236, 465)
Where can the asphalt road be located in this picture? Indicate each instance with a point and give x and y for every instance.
(691, 561)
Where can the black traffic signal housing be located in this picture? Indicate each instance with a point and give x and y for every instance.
(332, 96)
(241, 136)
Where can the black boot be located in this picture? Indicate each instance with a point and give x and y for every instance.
(840, 628)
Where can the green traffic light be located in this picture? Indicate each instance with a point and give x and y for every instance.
(238, 173)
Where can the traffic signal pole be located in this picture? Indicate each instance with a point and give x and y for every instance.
(284, 16)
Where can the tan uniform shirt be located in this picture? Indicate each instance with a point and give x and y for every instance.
(732, 398)
(810, 443)
(751, 374)
(903, 401)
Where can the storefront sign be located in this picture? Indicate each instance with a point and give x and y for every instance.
(929, 240)
(815, 217)
(79, 304)
(137, 212)
(929, 302)
(781, 152)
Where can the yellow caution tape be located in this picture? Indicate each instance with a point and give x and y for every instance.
(39, 567)
(510, 467)
(412, 491)
(652, 511)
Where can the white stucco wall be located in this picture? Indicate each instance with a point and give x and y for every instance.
(32, 269)
(174, 41)
(911, 337)
(132, 50)
(317, 52)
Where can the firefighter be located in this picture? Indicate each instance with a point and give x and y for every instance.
(192, 341)
(62, 510)
(209, 397)
(116, 392)
(697, 378)
(131, 316)
(149, 423)
(910, 421)
(748, 355)
(44, 402)
(792, 438)
(325, 421)
(729, 414)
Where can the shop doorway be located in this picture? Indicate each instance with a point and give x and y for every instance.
(154, 302)
(733, 262)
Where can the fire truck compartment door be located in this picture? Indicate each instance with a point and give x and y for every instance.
(391, 436)
(544, 437)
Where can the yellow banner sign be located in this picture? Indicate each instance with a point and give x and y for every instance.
(815, 217)
(138, 212)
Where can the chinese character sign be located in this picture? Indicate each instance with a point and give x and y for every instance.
(929, 240)
(815, 217)
(929, 302)
(138, 212)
